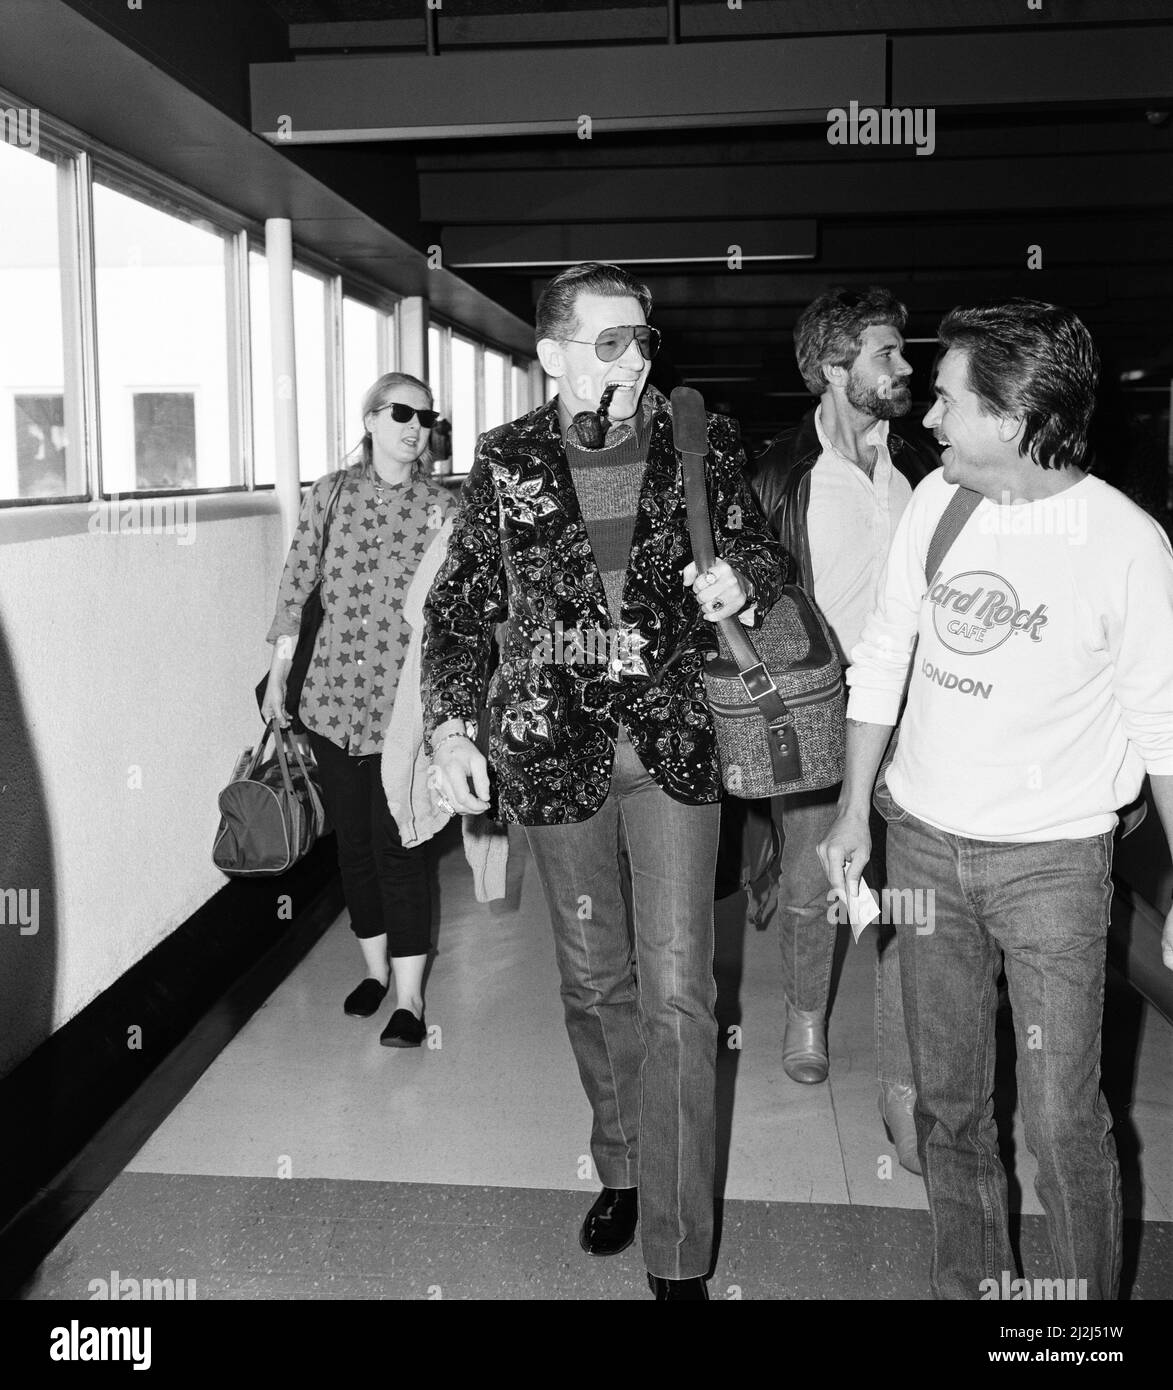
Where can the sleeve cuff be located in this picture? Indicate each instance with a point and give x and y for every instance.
(284, 627)
(873, 706)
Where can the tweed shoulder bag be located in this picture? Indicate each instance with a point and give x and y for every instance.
(777, 700)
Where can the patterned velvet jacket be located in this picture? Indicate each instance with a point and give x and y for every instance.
(520, 551)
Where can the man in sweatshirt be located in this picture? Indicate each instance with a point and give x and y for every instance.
(1040, 693)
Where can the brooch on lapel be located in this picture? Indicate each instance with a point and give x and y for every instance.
(526, 497)
(527, 718)
(626, 645)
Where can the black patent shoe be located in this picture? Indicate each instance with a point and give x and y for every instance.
(403, 1030)
(610, 1224)
(678, 1290)
(365, 1000)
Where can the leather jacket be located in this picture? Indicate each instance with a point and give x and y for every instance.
(780, 478)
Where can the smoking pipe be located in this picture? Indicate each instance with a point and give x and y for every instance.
(590, 426)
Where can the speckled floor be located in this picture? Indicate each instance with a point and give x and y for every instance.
(309, 1162)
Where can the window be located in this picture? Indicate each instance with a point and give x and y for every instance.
(132, 373)
(40, 446)
(40, 454)
(496, 380)
(309, 336)
(164, 440)
(436, 355)
(164, 403)
(261, 346)
(464, 403)
(521, 405)
(360, 358)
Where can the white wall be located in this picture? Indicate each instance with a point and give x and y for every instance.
(125, 652)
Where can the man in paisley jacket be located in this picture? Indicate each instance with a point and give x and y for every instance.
(575, 534)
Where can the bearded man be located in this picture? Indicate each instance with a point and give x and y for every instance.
(833, 488)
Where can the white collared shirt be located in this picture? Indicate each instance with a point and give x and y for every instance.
(850, 522)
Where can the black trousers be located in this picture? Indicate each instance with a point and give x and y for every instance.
(387, 887)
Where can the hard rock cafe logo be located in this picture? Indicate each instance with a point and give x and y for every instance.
(978, 611)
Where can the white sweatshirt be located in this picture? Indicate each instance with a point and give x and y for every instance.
(1042, 684)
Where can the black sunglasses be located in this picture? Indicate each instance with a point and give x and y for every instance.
(401, 414)
(612, 343)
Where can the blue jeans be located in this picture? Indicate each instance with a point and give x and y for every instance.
(1042, 908)
(808, 936)
(639, 1000)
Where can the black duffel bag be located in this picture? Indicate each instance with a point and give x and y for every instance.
(271, 814)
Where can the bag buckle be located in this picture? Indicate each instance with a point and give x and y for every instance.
(758, 682)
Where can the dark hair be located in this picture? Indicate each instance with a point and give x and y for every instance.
(1034, 362)
(555, 315)
(378, 395)
(829, 331)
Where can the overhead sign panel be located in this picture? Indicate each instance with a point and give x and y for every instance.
(580, 91)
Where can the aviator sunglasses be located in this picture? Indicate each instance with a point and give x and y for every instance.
(612, 343)
(401, 414)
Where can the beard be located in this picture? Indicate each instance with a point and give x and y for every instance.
(888, 403)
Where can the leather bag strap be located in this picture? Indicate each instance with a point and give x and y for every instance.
(960, 508)
(759, 684)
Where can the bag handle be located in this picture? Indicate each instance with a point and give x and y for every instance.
(283, 761)
(283, 743)
(315, 800)
(255, 761)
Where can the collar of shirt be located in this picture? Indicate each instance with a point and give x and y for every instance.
(380, 487)
(877, 436)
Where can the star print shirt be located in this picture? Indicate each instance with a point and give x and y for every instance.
(372, 553)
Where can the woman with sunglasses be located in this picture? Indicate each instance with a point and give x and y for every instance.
(386, 514)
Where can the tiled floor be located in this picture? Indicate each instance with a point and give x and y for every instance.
(310, 1162)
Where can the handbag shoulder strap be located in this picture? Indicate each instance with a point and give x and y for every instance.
(959, 510)
(328, 517)
(758, 682)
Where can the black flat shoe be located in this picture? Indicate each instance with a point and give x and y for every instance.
(365, 1000)
(610, 1224)
(678, 1290)
(403, 1030)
